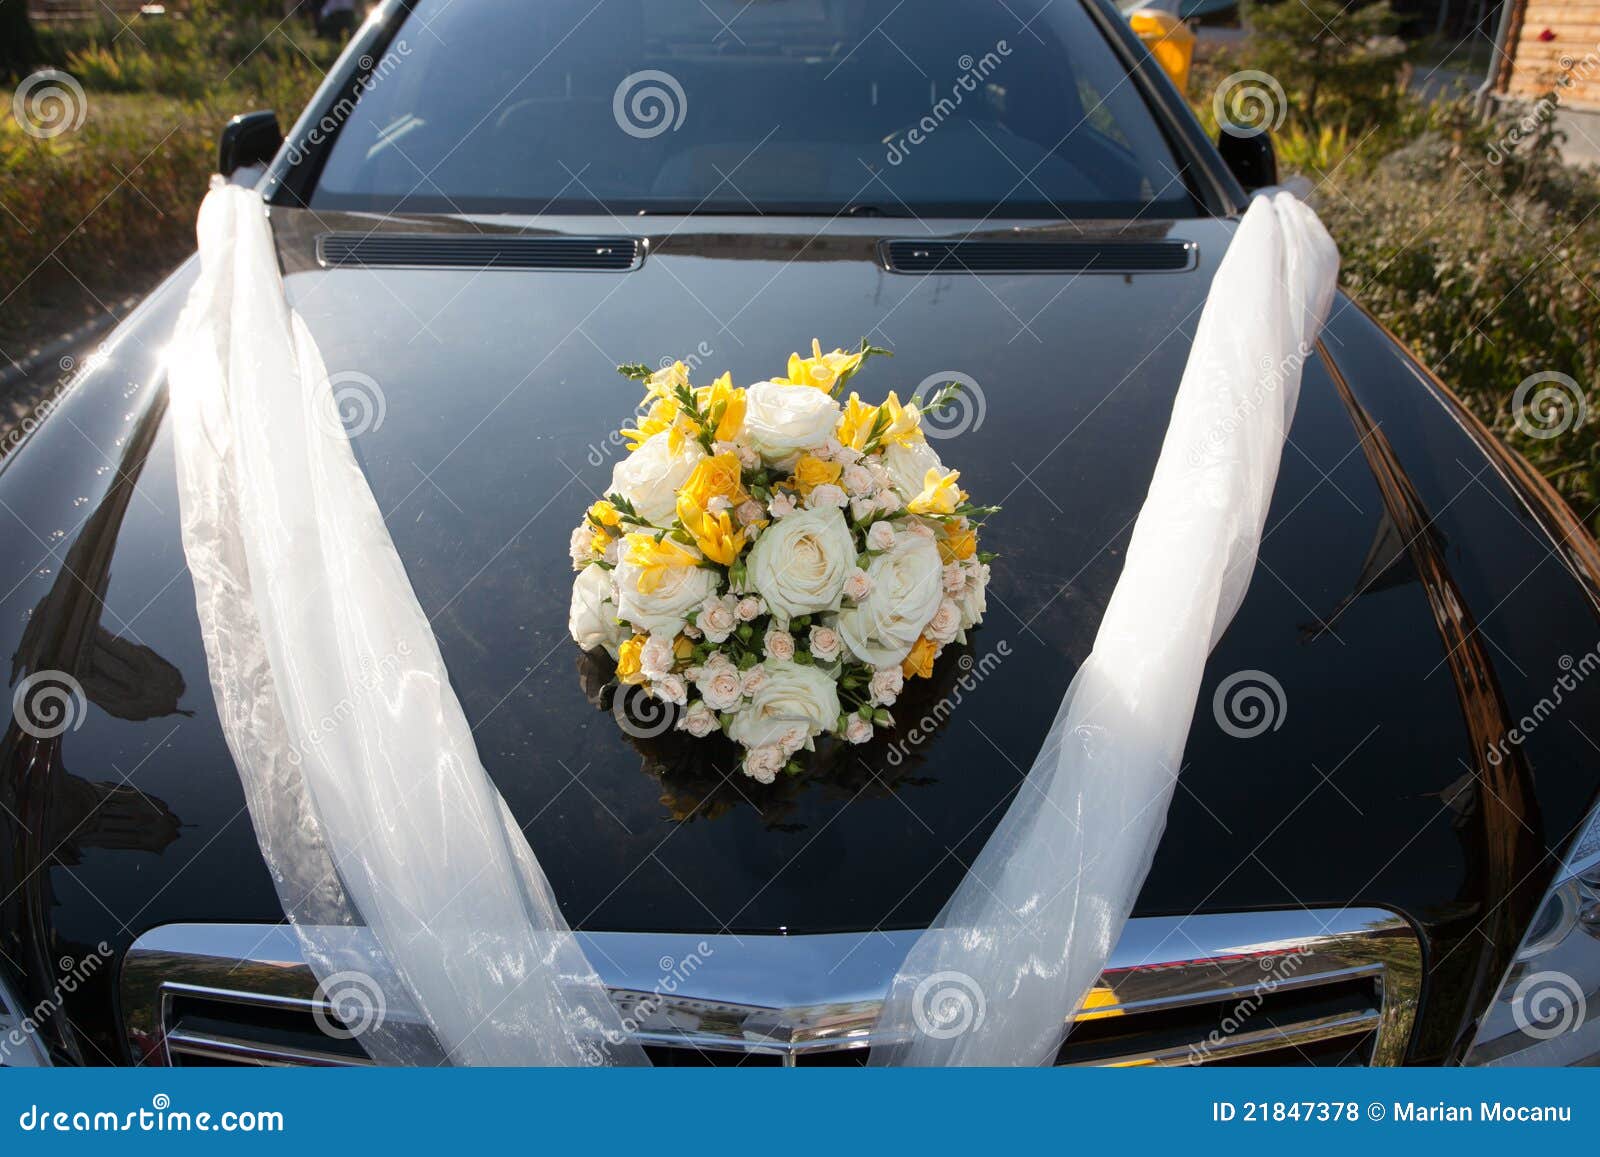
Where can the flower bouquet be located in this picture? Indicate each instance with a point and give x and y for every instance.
(772, 563)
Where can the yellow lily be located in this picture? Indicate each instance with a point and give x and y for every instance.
(820, 370)
(940, 494)
(654, 559)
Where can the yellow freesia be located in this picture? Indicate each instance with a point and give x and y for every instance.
(662, 415)
(714, 476)
(664, 383)
(628, 665)
(905, 423)
(940, 494)
(605, 514)
(820, 370)
(919, 663)
(810, 472)
(654, 559)
(855, 424)
(723, 405)
(715, 534)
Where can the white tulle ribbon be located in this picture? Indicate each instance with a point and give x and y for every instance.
(365, 787)
(1026, 934)
(363, 782)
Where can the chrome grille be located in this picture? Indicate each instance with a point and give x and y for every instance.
(1305, 987)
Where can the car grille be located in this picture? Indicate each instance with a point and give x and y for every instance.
(1331, 987)
(1086, 256)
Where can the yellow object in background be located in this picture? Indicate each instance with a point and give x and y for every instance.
(1169, 41)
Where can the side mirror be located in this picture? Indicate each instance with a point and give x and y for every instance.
(1249, 157)
(251, 139)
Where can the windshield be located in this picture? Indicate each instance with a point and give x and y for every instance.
(938, 107)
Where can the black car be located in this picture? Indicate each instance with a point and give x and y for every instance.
(484, 211)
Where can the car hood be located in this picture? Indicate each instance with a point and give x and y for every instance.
(484, 405)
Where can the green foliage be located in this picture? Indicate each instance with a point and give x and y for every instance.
(1336, 62)
(90, 215)
(1485, 262)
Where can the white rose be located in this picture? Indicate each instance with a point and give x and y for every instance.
(908, 464)
(682, 589)
(755, 679)
(825, 496)
(945, 623)
(825, 643)
(781, 421)
(716, 618)
(699, 721)
(592, 618)
(764, 763)
(880, 536)
(750, 511)
(749, 609)
(906, 589)
(580, 547)
(857, 585)
(720, 686)
(886, 685)
(857, 479)
(799, 565)
(974, 600)
(782, 504)
(778, 644)
(656, 657)
(955, 579)
(861, 509)
(794, 701)
(671, 689)
(651, 476)
(858, 730)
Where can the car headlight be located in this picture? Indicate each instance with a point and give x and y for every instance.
(1547, 1011)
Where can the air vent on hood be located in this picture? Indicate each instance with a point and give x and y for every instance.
(1084, 256)
(477, 251)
